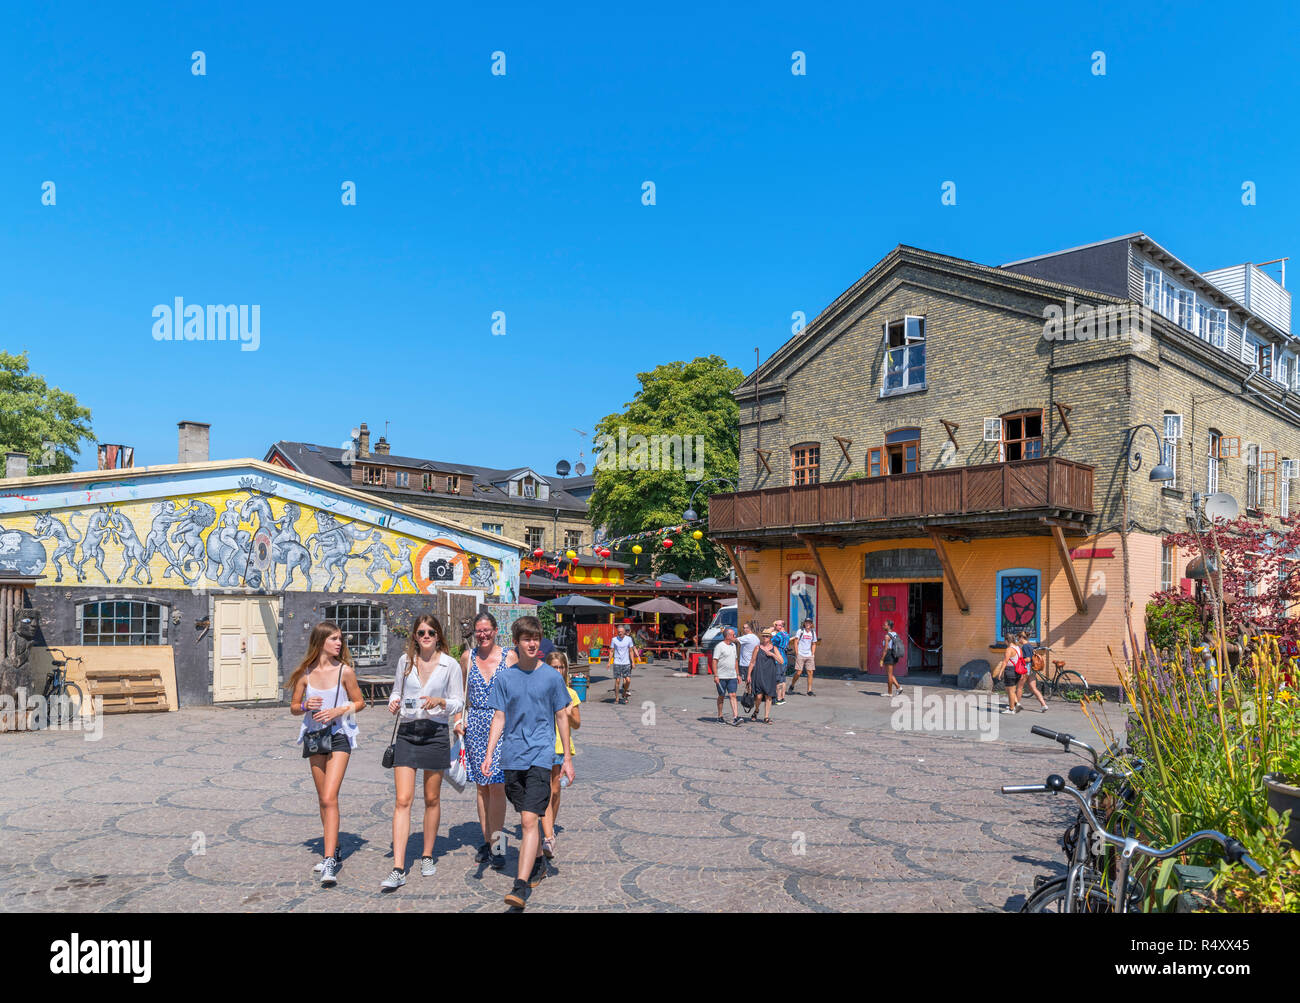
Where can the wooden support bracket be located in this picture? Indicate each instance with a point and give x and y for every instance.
(844, 446)
(1080, 603)
(763, 456)
(740, 573)
(937, 542)
(817, 559)
(951, 428)
(1064, 410)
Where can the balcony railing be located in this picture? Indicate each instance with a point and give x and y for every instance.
(1049, 483)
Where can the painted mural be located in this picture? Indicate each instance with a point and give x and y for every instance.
(231, 538)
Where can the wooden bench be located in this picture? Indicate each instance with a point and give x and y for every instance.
(128, 691)
(373, 683)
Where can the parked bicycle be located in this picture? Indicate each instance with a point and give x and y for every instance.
(62, 698)
(1062, 683)
(1091, 884)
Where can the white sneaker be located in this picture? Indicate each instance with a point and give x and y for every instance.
(1008, 710)
(428, 868)
(1043, 709)
(329, 872)
(395, 879)
(320, 865)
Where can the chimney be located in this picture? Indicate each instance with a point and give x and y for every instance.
(381, 447)
(193, 442)
(15, 464)
(363, 441)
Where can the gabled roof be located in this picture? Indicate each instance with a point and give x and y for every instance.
(326, 463)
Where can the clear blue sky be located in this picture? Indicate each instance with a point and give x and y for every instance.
(522, 193)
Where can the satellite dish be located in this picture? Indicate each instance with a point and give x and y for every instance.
(562, 469)
(580, 469)
(1221, 505)
(356, 433)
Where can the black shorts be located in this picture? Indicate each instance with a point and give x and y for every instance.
(339, 743)
(530, 789)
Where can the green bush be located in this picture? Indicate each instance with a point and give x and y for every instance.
(1171, 619)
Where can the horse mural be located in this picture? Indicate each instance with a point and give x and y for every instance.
(133, 551)
(92, 542)
(166, 515)
(65, 546)
(335, 540)
(287, 549)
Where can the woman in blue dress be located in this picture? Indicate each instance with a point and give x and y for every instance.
(480, 664)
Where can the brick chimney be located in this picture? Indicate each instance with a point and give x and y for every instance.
(192, 444)
(363, 440)
(381, 447)
(15, 464)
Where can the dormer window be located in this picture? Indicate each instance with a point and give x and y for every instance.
(374, 476)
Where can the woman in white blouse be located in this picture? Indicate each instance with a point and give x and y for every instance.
(427, 692)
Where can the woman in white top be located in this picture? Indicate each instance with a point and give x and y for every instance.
(324, 692)
(427, 693)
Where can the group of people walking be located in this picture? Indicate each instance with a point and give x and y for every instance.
(760, 659)
(512, 712)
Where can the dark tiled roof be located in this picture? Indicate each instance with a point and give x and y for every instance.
(326, 463)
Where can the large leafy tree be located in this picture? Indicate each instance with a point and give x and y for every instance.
(639, 489)
(43, 421)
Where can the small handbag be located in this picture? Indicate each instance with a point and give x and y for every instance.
(321, 741)
(747, 700)
(390, 754)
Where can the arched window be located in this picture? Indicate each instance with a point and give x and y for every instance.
(122, 621)
(805, 463)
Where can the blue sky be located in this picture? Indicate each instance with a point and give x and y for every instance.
(522, 193)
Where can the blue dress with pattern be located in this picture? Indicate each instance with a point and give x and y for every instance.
(478, 725)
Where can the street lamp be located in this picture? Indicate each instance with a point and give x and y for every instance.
(690, 515)
(1162, 471)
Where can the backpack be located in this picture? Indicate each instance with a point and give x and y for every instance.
(895, 647)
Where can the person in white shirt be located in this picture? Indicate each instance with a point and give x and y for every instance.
(427, 692)
(726, 655)
(805, 647)
(622, 653)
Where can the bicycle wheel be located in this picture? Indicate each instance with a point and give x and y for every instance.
(66, 708)
(1069, 685)
(1050, 897)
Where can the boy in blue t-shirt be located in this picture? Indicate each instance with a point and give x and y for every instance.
(780, 641)
(530, 702)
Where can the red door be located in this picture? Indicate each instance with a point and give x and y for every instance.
(885, 602)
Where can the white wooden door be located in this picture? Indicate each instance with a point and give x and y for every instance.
(245, 649)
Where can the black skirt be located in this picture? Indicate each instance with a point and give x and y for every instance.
(422, 745)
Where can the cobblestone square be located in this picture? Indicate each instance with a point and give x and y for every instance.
(827, 809)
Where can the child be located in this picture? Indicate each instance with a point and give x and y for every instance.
(560, 663)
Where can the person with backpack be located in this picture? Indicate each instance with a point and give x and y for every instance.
(805, 648)
(1012, 672)
(890, 656)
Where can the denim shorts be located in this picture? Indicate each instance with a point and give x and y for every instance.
(726, 686)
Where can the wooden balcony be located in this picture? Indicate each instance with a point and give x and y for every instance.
(991, 499)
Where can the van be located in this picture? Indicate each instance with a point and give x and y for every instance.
(723, 618)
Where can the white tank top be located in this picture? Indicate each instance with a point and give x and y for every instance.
(346, 724)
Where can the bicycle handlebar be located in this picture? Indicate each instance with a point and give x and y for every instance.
(1233, 849)
(1069, 742)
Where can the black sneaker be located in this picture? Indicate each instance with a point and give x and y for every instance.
(498, 861)
(539, 873)
(517, 895)
(484, 854)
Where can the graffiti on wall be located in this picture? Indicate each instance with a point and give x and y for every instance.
(245, 537)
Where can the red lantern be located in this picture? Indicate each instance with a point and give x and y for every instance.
(538, 552)
(604, 553)
(668, 544)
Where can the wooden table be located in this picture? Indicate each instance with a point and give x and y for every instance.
(374, 682)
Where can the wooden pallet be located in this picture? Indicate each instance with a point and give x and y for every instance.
(128, 691)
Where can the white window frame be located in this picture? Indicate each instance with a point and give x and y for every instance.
(374, 614)
(401, 479)
(1284, 488)
(1212, 324)
(914, 336)
(1212, 467)
(1166, 567)
(1173, 431)
(1151, 282)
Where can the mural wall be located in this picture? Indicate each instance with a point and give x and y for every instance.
(252, 533)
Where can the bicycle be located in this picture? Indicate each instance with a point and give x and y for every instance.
(1087, 887)
(63, 699)
(1063, 683)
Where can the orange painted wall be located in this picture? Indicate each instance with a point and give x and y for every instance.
(1079, 639)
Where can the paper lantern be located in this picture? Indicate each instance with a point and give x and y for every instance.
(571, 555)
(668, 544)
(604, 553)
(698, 535)
(636, 549)
(538, 552)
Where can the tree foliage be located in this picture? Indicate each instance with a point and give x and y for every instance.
(639, 490)
(42, 421)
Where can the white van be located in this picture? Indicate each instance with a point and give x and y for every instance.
(725, 617)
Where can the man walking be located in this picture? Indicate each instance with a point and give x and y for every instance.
(530, 704)
(780, 641)
(622, 652)
(805, 646)
(725, 656)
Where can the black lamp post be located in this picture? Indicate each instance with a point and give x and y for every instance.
(690, 515)
(1161, 471)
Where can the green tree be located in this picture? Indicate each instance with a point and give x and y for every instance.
(42, 421)
(684, 410)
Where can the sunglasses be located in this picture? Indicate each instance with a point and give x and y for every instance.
(425, 633)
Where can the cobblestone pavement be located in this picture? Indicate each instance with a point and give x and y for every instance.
(829, 808)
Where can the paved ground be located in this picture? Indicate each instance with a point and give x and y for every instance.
(828, 808)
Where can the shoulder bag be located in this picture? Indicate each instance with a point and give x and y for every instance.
(321, 741)
(390, 754)
(458, 772)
